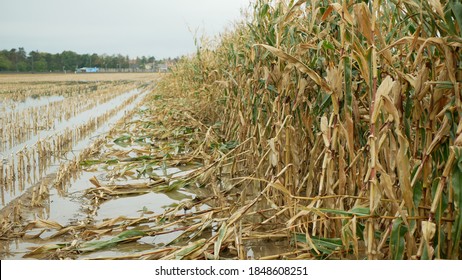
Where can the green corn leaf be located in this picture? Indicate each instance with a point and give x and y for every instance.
(125, 236)
(397, 242)
(189, 249)
(324, 245)
(123, 140)
(417, 193)
(457, 10)
(457, 188)
(221, 235)
(358, 211)
(347, 79)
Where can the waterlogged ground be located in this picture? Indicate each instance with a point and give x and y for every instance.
(150, 181)
(65, 204)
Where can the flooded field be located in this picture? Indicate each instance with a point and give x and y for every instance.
(49, 124)
(113, 169)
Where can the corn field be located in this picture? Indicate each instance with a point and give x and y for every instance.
(346, 123)
(314, 129)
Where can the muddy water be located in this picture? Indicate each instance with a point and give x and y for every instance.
(30, 102)
(69, 206)
(17, 189)
(72, 208)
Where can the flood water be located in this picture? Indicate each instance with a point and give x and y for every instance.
(11, 156)
(69, 205)
(78, 202)
(29, 102)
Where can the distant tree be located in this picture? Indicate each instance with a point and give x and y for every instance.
(41, 65)
(121, 61)
(5, 63)
(96, 60)
(114, 61)
(22, 64)
(12, 56)
(142, 62)
(126, 62)
(38, 61)
(53, 61)
(32, 58)
(69, 60)
(105, 61)
(19, 60)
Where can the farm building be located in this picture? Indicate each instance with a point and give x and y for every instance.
(88, 70)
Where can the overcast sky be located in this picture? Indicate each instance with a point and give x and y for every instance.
(160, 28)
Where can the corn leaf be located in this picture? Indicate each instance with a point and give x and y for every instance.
(397, 240)
(457, 188)
(125, 236)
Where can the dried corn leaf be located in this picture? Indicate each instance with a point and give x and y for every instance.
(298, 64)
(40, 223)
(383, 91)
(404, 173)
(362, 17)
(343, 12)
(43, 250)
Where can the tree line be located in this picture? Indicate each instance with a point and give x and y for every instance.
(17, 60)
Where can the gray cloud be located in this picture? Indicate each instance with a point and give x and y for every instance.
(133, 27)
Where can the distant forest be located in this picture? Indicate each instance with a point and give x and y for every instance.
(17, 60)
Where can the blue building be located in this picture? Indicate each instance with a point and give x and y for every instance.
(88, 70)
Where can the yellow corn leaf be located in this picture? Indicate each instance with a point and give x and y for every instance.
(391, 109)
(422, 77)
(343, 12)
(95, 182)
(436, 4)
(273, 154)
(280, 187)
(298, 64)
(428, 230)
(363, 19)
(404, 173)
(292, 10)
(362, 63)
(383, 90)
(325, 131)
(298, 215)
(334, 78)
(376, 195)
(43, 224)
(220, 237)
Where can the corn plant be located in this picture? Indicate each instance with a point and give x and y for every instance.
(351, 116)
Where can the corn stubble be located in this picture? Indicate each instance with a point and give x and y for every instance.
(347, 119)
(23, 177)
